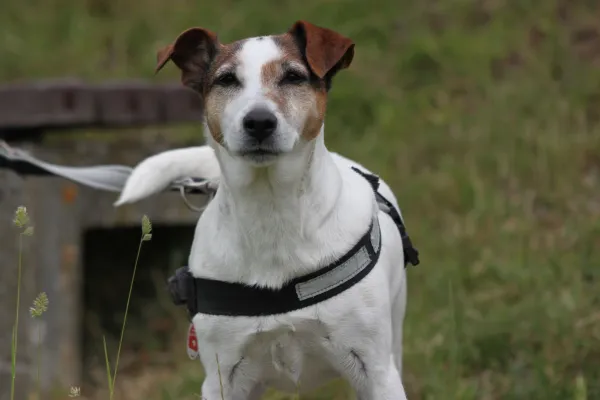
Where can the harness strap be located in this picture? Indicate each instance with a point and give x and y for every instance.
(213, 297)
(411, 254)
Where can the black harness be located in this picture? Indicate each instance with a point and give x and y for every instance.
(213, 297)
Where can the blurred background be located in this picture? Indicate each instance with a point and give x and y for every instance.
(483, 115)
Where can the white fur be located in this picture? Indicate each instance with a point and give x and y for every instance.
(269, 224)
(156, 173)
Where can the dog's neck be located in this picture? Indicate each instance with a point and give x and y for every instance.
(300, 188)
(269, 225)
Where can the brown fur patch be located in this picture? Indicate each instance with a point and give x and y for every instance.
(198, 54)
(314, 121)
(312, 95)
(325, 50)
(215, 100)
(270, 74)
(214, 107)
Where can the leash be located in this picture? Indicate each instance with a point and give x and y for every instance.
(110, 178)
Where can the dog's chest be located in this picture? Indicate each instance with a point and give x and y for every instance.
(285, 349)
(267, 252)
(253, 335)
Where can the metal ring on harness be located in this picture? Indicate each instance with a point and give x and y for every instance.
(205, 187)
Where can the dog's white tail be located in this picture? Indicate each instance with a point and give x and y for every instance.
(156, 173)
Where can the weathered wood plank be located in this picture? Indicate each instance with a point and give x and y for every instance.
(42, 104)
(72, 104)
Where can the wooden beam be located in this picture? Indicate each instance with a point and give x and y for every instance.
(73, 104)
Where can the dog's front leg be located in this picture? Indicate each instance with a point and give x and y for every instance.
(232, 379)
(211, 390)
(371, 375)
(381, 384)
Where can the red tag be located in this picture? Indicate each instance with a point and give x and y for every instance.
(192, 343)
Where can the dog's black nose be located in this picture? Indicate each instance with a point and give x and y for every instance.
(260, 123)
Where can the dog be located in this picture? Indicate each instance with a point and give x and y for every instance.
(285, 208)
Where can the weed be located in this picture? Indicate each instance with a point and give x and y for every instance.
(146, 236)
(40, 306)
(21, 221)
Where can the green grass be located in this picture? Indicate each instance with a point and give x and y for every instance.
(482, 115)
(21, 221)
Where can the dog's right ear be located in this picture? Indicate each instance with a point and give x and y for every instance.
(326, 51)
(192, 52)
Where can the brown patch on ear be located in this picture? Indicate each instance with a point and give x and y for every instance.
(162, 57)
(326, 51)
(192, 52)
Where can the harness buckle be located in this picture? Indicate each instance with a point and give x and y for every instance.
(182, 289)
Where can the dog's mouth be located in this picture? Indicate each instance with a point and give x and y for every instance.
(259, 156)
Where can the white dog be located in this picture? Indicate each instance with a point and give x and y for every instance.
(300, 275)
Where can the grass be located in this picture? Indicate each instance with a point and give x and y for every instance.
(21, 221)
(482, 115)
(112, 378)
(40, 306)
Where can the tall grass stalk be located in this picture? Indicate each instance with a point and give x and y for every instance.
(13, 364)
(580, 388)
(40, 306)
(454, 347)
(146, 236)
(21, 221)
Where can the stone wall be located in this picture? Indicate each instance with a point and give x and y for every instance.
(60, 212)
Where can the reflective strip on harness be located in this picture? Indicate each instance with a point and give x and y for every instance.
(341, 273)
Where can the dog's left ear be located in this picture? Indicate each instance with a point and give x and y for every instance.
(192, 52)
(326, 51)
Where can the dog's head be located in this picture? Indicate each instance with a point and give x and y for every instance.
(265, 96)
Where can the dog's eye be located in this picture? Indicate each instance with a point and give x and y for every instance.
(293, 78)
(227, 79)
